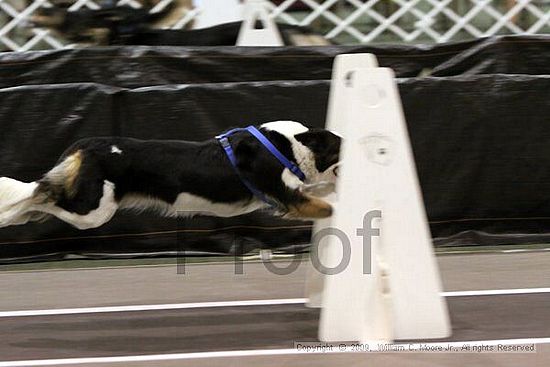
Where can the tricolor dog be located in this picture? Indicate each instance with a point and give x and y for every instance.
(235, 173)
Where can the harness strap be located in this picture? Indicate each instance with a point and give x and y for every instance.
(276, 153)
(224, 142)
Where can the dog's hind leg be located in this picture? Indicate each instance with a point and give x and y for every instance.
(94, 218)
(77, 192)
(29, 217)
(74, 190)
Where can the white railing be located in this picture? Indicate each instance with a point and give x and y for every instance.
(344, 21)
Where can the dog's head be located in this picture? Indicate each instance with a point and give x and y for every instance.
(315, 151)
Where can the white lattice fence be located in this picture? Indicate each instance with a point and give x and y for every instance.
(345, 21)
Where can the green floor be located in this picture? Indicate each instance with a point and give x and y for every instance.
(164, 261)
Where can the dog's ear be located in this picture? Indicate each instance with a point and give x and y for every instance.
(324, 144)
(319, 140)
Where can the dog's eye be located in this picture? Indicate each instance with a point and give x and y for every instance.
(335, 170)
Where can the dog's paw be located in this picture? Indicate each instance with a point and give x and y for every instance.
(311, 209)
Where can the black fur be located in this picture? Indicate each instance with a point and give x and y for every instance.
(219, 35)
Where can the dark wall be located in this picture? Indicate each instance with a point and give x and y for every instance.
(479, 132)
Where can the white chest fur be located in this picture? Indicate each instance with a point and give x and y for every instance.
(187, 205)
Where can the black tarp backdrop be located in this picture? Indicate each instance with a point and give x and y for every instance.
(480, 139)
(139, 66)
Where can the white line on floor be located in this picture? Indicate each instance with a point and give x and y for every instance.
(168, 306)
(260, 352)
(261, 302)
(496, 292)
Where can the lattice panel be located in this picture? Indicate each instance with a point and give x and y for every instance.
(365, 21)
(345, 21)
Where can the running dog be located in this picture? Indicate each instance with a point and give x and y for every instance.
(235, 173)
(126, 25)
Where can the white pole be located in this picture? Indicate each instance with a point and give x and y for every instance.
(256, 12)
(391, 287)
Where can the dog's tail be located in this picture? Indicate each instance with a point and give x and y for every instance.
(16, 201)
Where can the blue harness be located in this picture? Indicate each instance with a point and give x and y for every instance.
(224, 141)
